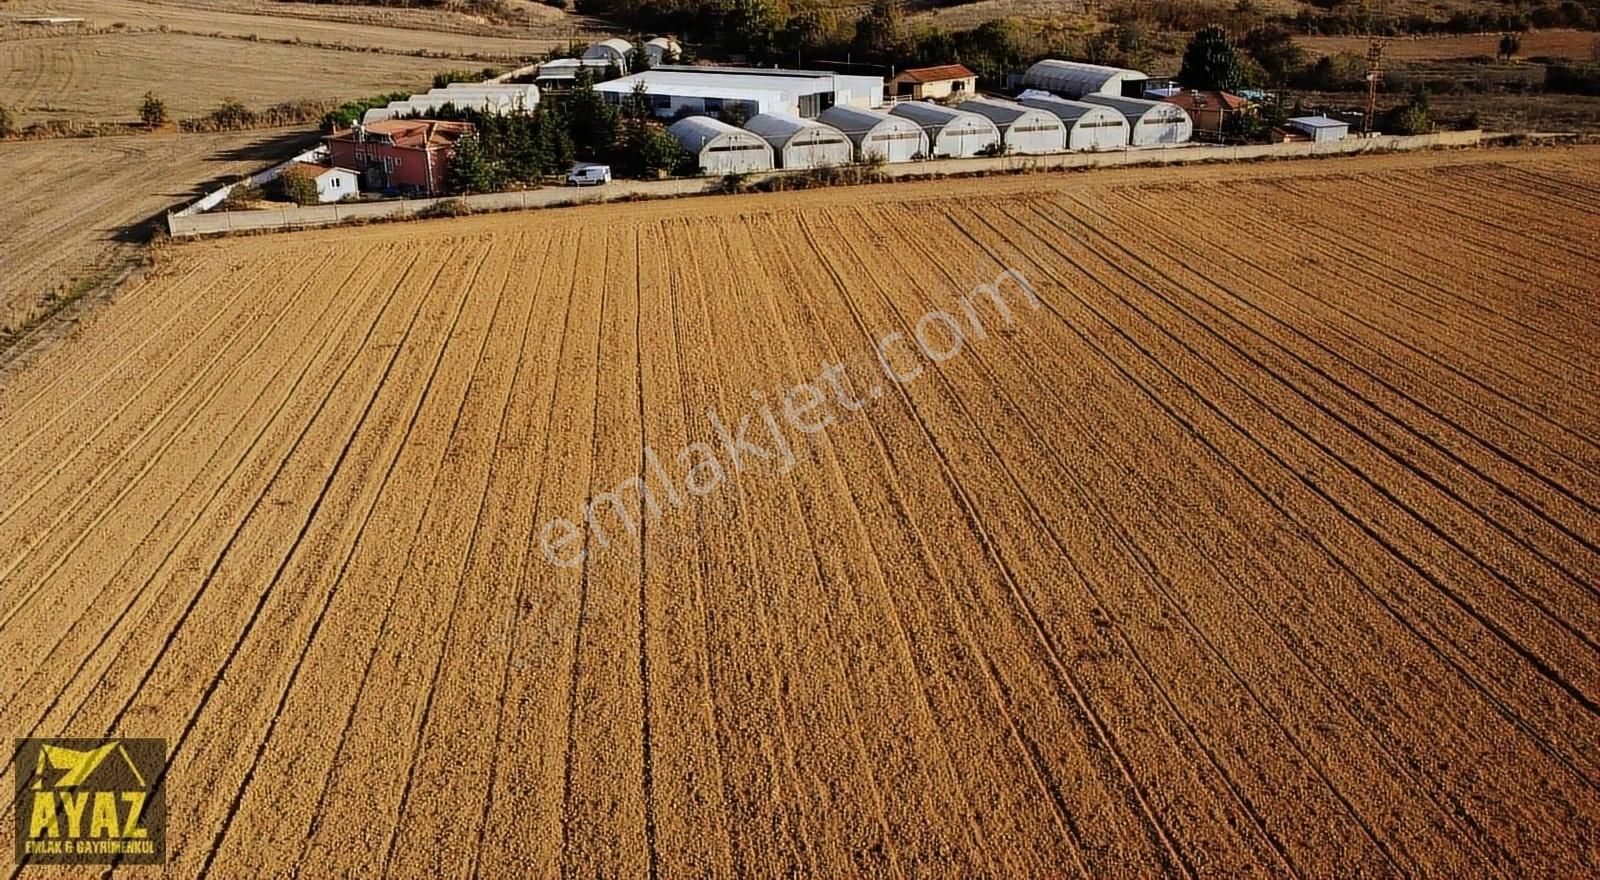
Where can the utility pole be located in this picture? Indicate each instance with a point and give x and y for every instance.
(1375, 45)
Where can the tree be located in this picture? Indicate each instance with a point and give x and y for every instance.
(751, 27)
(523, 157)
(153, 110)
(1412, 117)
(470, 170)
(591, 122)
(1210, 61)
(880, 32)
(1273, 47)
(1510, 44)
(639, 59)
(299, 186)
(8, 125)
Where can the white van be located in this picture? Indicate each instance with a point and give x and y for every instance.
(589, 175)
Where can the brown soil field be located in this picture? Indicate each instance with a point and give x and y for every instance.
(74, 207)
(536, 28)
(1577, 45)
(104, 76)
(1262, 541)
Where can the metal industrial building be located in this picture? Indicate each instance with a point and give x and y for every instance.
(719, 148)
(876, 133)
(1022, 129)
(802, 143)
(951, 132)
(675, 90)
(1150, 123)
(1074, 79)
(1089, 126)
(614, 50)
(1320, 129)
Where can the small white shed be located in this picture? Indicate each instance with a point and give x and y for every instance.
(719, 148)
(1089, 126)
(333, 184)
(802, 143)
(876, 133)
(1023, 129)
(951, 132)
(1150, 123)
(1321, 129)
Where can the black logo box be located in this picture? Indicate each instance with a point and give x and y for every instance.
(149, 762)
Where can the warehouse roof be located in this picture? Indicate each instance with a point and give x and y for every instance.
(1076, 77)
(1067, 111)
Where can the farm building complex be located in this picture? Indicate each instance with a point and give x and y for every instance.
(676, 90)
(1023, 129)
(802, 143)
(1089, 126)
(951, 132)
(879, 135)
(1150, 123)
(720, 148)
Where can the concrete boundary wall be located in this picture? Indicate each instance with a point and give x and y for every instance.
(210, 200)
(189, 222)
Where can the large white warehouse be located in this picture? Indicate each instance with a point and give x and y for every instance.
(1023, 129)
(678, 89)
(720, 148)
(1150, 123)
(802, 143)
(875, 133)
(1089, 126)
(1074, 79)
(951, 132)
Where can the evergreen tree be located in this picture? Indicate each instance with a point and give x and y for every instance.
(592, 122)
(470, 170)
(1210, 61)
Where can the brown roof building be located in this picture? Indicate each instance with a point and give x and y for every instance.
(403, 154)
(921, 83)
(1209, 110)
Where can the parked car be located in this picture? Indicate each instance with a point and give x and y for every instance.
(589, 175)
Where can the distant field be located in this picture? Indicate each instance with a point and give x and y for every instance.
(1264, 545)
(1579, 45)
(103, 76)
(68, 202)
(378, 28)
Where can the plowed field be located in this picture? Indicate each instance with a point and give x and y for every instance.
(1264, 540)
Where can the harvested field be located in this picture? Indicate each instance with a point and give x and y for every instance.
(366, 28)
(103, 77)
(1265, 544)
(1576, 45)
(73, 207)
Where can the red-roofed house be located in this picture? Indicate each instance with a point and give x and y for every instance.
(1209, 110)
(404, 154)
(922, 83)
